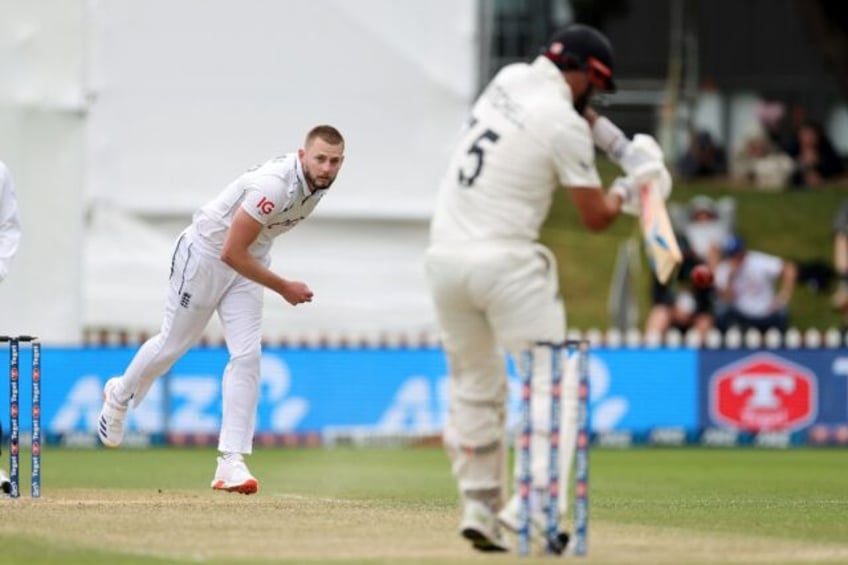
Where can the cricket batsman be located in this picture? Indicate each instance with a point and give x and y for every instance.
(495, 287)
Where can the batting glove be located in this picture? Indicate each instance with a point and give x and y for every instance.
(655, 171)
(642, 152)
(627, 189)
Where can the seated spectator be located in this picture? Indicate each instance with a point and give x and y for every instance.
(815, 158)
(773, 118)
(762, 163)
(840, 258)
(706, 226)
(678, 304)
(702, 225)
(704, 158)
(754, 288)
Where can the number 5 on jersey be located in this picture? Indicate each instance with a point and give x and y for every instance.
(477, 156)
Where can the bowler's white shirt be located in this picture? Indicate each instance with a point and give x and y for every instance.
(524, 139)
(10, 227)
(753, 284)
(275, 194)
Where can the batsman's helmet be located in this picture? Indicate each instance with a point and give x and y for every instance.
(578, 46)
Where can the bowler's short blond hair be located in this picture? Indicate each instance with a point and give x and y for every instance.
(327, 133)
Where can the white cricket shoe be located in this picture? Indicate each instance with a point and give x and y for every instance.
(232, 475)
(480, 527)
(110, 425)
(5, 483)
(509, 519)
(509, 516)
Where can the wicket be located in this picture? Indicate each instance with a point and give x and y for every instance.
(14, 413)
(555, 542)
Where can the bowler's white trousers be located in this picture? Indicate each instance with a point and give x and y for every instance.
(201, 284)
(494, 298)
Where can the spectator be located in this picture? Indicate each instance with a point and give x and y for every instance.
(706, 225)
(678, 304)
(840, 258)
(746, 282)
(703, 159)
(772, 116)
(761, 163)
(815, 158)
(702, 225)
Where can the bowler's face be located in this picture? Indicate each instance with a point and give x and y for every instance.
(321, 162)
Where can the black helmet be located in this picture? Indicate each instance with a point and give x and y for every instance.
(578, 46)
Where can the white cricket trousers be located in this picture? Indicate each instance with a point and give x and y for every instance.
(201, 284)
(495, 298)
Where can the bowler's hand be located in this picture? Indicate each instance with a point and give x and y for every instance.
(296, 292)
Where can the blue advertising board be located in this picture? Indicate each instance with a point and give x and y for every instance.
(636, 390)
(312, 390)
(783, 390)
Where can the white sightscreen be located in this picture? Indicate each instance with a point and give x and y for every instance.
(188, 93)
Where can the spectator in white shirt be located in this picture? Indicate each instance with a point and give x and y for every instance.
(754, 288)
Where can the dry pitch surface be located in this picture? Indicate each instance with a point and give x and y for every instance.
(191, 527)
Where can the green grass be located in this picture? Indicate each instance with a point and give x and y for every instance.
(648, 505)
(381, 473)
(795, 224)
(792, 494)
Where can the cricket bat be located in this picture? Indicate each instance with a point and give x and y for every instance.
(660, 242)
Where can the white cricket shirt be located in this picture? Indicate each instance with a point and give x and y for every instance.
(523, 140)
(10, 227)
(275, 194)
(753, 283)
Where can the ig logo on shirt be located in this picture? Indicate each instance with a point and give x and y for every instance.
(265, 206)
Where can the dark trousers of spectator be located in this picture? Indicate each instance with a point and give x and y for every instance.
(729, 317)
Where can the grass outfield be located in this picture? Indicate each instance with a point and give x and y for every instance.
(393, 506)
